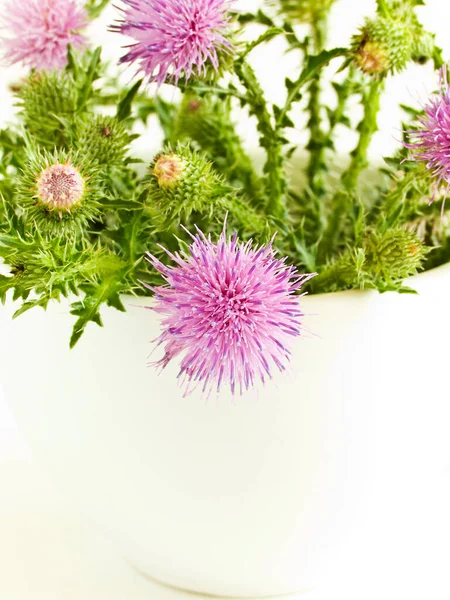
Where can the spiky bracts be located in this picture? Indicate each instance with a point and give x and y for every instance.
(184, 187)
(38, 33)
(57, 193)
(103, 140)
(389, 41)
(207, 122)
(175, 38)
(48, 102)
(382, 262)
(394, 255)
(229, 310)
(182, 182)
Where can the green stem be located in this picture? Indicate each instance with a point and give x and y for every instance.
(366, 128)
(343, 200)
(316, 144)
(211, 126)
(405, 198)
(344, 91)
(269, 140)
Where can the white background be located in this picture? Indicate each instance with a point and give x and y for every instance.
(47, 552)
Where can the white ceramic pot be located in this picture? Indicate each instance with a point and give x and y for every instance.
(244, 498)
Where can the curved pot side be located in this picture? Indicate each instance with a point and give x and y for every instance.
(243, 498)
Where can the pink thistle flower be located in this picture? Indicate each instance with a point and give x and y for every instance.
(174, 37)
(431, 142)
(40, 31)
(60, 187)
(229, 308)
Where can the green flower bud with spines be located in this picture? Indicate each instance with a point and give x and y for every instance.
(395, 254)
(384, 46)
(304, 11)
(169, 169)
(383, 261)
(389, 41)
(103, 140)
(57, 193)
(48, 101)
(183, 182)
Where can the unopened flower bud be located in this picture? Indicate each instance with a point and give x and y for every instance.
(384, 45)
(60, 187)
(396, 254)
(184, 182)
(169, 169)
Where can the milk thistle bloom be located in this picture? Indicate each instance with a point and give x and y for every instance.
(174, 38)
(431, 142)
(40, 31)
(229, 308)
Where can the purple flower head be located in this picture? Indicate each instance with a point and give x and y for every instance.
(40, 31)
(229, 308)
(174, 37)
(431, 142)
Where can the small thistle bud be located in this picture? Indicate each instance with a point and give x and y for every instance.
(183, 182)
(60, 187)
(396, 254)
(304, 11)
(169, 169)
(385, 45)
(47, 100)
(104, 140)
(57, 193)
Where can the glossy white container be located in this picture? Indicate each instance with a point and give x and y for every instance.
(250, 497)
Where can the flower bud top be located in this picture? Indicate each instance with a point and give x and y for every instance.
(169, 169)
(61, 187)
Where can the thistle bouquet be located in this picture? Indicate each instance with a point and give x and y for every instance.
(223, 244)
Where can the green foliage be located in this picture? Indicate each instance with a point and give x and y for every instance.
(394, 254)
(207, 122)
(95, 7)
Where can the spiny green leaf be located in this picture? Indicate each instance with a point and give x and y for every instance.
(85, 91)
(264, 37)
(313, 65)
(124, 106)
